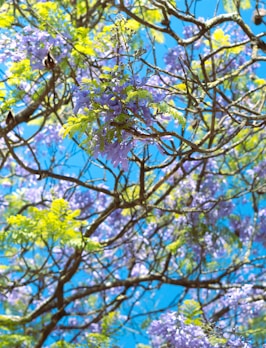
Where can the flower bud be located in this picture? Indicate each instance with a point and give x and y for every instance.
(258, 16)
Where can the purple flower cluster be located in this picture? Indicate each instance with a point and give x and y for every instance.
(240, 300)
(171, 330)
(34, 44)
(122, 121)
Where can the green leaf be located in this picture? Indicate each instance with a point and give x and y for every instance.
(44, 9)
(79, 124)
(174, 246)
(192, 311)
(256, 329)
(157, 35)
(218, 341)
(58, 223)
(91, 245)
(11, 321)
(108, 320)
(6, 20)
(245, 4)
(231, 5)
(12, 340)
(96, 340)
(64, 344)
(138, 94)
(18, 68)
(85, 47)
(2, 90)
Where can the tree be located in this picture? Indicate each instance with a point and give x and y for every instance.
(133, 173)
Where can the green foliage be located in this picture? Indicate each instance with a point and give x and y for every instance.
(256, 329)
(6, 17)
(146, 323)
(2, 90)
(21, 69)
(131, 193)
(80, 125)
(181, 240)
(91, 245)
(58, 223)
(15, 200)
(192, 311)
(169, 109)
(187, 263)
(51, 16)
(10, 322)
(45, 9)
(136, 95)
(96, 340)
(151, 15)
(108, 321)
(103, 339)
(63, 344)
(82, 43)
(220, 341)
(232, 5)
(15, 341)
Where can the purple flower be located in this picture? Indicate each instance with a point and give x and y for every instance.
(81, 99)
(171, 330)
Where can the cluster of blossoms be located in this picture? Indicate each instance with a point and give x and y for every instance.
(170, 330)
(124, 114)
(238, 298)
(38, 42)
(33, 44)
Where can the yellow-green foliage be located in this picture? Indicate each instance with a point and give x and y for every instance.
(169, 109)
(6, 16)
(256, 329)
(58, 223)
(45, 9)
(63, 344)
(220, 39)
(231, 5)
(11, 341)
(103, 339)
(98, 340)
(21, 69)
(192, 311)
(108, 321)
(2, 90)
(174, 246)
(83, 44)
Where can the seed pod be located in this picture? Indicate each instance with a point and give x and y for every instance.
(41, 176)
(195, 123)
(10, 118)
(49, 61)
(258, 15)
(189, 200)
